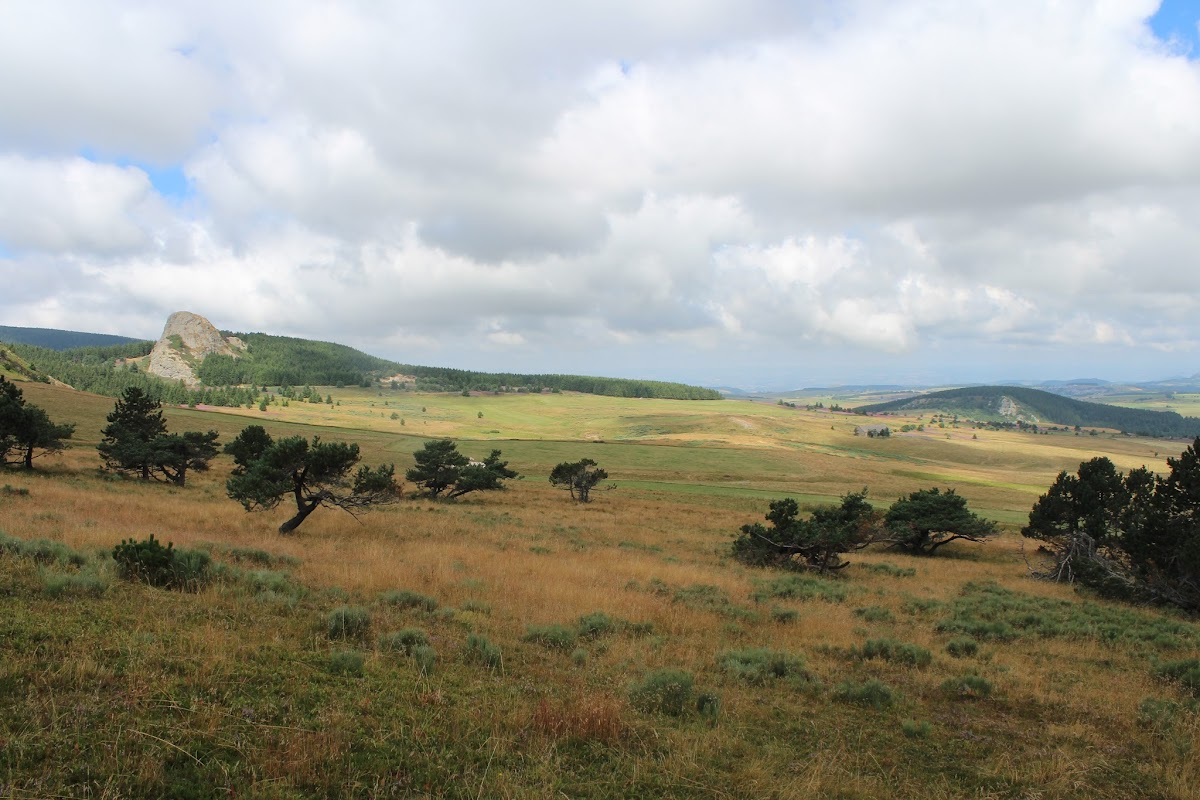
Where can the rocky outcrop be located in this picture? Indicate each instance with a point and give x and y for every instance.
(187, 340)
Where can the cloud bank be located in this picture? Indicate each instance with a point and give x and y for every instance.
(763, 193)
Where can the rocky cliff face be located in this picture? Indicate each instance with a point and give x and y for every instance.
(187, 340)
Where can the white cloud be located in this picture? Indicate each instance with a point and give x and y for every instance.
(725, 177)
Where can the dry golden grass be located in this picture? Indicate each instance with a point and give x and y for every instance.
(1062, 720)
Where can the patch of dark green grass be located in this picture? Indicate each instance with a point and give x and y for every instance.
(43, 551)
(784, 616)
(893, 651)
(872, 693)
(874, 614)
(968, 687)
(479, 650)
(554, 637)
(404, 598)
(892, 570)
(1185, 672)
(345, 662)
(404, 641)
(799, 587)
(962, 647)
(759, 665)
(88, 583)
(665, 691)
(991, 612)
(347, 622)
(596, 624)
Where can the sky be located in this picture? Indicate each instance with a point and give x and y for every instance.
(766, 194)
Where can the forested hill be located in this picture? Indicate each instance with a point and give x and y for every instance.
(55, 339)
(280, 360)
(277, 360)
(991, 403)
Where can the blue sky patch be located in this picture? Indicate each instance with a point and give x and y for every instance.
(1176, 21)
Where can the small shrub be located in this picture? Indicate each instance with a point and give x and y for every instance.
(1157, 715)
(874, 614)
(477, 607)
(916, 729)
(407, 599)
(556, 637)
(799, 587)
(14, 491)
(759, 665)
(346, 662)
(665, 691)
(893, 651)
(962, 647)
(347, 622)
(481, 651)
(404, 641)
(74, 584)
(890, 569)
(43, 551)
(192, 569)
(784, 616)
(596, 624)
(969, 687)
(1186, 673)
(425, 658)
(579, 657)
(873, 693)
(708, 706)
(146, 561)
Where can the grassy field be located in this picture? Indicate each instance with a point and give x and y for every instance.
(494, 646)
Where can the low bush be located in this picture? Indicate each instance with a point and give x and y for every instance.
(74, 584)
(347, 622)
(346, 662)
(408, 599)
(874, 614)
(665, 691)
(1157, 715)
(404, 641)
(890, 569)
(596, 624)
(872, 693)
(481, 651)
(893, 651)
(969, 687)
(556, 637)
(43, 551)
(147, 561)
(800, 587)
(1185, 672)
(784, 616)
(915, 729)
(962, 647)
(425, 658)
(759, 665)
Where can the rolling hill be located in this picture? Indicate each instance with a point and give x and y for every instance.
(1021, 404)
(55, 339)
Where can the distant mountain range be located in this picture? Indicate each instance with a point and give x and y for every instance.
(54, 339)
(1028, 406)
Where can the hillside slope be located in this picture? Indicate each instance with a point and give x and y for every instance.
(1013, 403)
(55, 339)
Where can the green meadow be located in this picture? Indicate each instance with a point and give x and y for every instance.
(515, 644)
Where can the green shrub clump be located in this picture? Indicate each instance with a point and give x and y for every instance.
(346, 662)
(595, 625)
(149, 562)
(874, 614)
(665, 691)
(347, 622)
(481, 651)
(969, 687)
(404, 641)
(556, 637)
(1186, 673)
(962, 647)
(406, 599)
(893, 651)
(873, 693)
(759, 665)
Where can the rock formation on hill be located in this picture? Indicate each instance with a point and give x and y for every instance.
(187, 340)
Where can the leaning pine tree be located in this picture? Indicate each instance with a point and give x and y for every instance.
(313, 474)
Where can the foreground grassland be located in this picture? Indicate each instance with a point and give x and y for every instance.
(955, 676)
